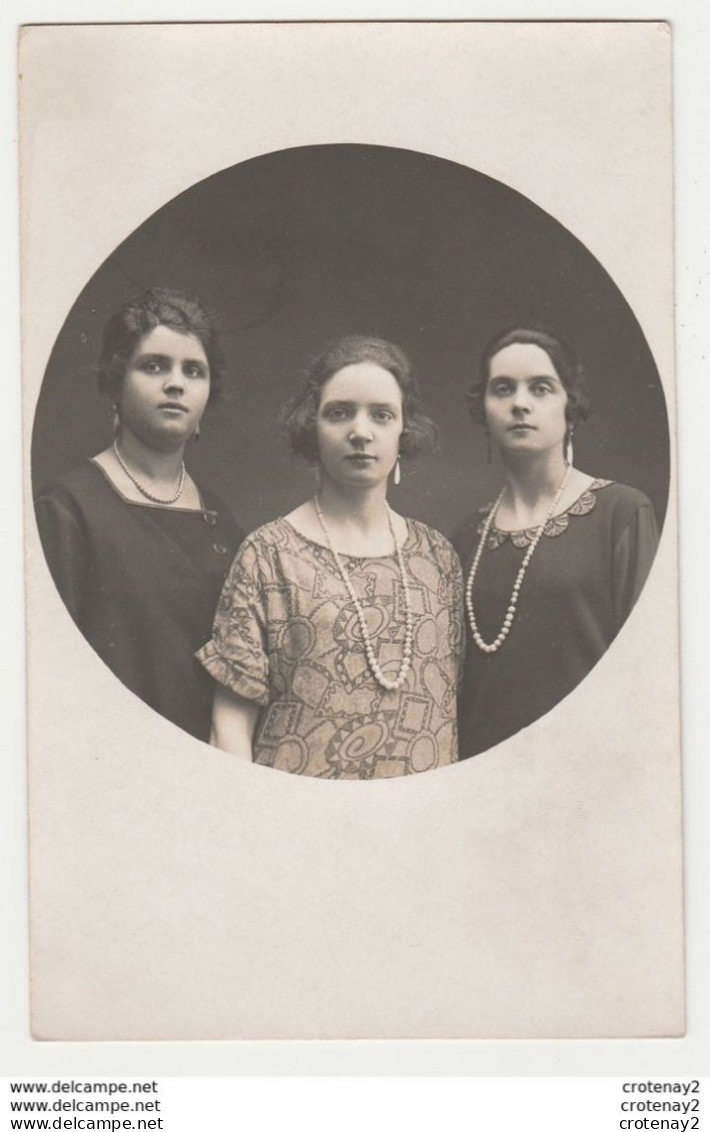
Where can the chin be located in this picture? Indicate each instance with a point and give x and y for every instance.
(361, 479)
(171, 438)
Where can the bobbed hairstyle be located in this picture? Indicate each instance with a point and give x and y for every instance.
(298, 415)
(568, 368)
(159, 306)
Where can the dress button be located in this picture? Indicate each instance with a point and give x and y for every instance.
(220, 548)
(209, 517)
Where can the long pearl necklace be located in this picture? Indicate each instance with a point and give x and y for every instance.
(517, 585)
(388, 685)
(144, 491)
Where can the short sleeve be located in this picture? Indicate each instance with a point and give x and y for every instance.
(633, 555)
(237, 655)
(65, 548)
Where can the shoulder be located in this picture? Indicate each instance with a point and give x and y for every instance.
(259, 561)
(276, 534)
(213, 501)
(265, 543)
(78, 496)
(467, 530)
(621, 493)
(78, 483)
(428, 540)
(619, 498)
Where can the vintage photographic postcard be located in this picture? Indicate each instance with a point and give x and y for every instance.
(486, 207)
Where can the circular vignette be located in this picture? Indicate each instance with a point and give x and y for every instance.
(295, 247)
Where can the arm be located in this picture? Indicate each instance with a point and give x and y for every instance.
(458, 617)
(633, 555)
(234, 720)
(237, 657)
(65, 548)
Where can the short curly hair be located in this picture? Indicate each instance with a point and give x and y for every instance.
(159, 306)
(563, 358)
(298, 416)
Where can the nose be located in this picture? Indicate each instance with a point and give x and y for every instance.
(360, 429)
(175, 379)
(521, 399)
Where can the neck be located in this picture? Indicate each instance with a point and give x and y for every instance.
(361, 509)
(535, 478)
(154, 464)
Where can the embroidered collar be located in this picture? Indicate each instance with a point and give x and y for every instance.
(557, 525)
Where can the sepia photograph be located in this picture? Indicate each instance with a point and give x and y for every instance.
(350, 454)
(338, 649)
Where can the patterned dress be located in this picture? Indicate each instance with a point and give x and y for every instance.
(582, 582)
(286, 636)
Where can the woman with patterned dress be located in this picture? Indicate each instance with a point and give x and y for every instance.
(137, 550)
(337, 639)
(553, 568)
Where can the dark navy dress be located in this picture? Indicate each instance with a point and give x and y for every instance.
(142, 583)
(583, 580)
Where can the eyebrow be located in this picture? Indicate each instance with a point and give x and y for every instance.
(153, 357)
(536, 377)
(340, 404)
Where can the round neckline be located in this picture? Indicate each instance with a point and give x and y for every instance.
(344, 554)
(148, 506)
(595, 484)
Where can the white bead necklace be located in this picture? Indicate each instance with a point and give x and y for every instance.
(517, 585)
(144, 491)
(398, 682)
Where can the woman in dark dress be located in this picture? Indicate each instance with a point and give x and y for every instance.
(337, 639)
(554, 566)
(137, 549)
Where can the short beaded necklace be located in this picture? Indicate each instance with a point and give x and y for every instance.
(144, 491)
(398, 682)
(517, 585)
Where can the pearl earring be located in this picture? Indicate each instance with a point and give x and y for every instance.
(397, 479)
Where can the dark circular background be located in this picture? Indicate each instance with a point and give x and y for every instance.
(294, 247)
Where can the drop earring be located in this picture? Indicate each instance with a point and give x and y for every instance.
(569, 450)
(116, 420)
(397, 478)
(196, 433)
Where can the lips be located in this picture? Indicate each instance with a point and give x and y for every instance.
(522, 428)
(174, 405)
(360, 456)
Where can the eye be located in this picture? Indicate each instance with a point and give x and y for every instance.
(151, 363)
(194, 369)
(382, 415)
(500, 389)
(336, 414)
(540, 388)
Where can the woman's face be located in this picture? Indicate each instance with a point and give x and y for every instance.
(358, 425)
(525, 400)
(165, 388)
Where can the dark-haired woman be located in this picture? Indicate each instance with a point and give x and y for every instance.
(137, 550)
(554, 566)
(337, 640)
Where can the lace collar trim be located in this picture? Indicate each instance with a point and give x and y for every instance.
(556, 526)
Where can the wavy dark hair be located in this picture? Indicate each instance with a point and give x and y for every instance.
(563, 358)
(298, 415)
(159, 306)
